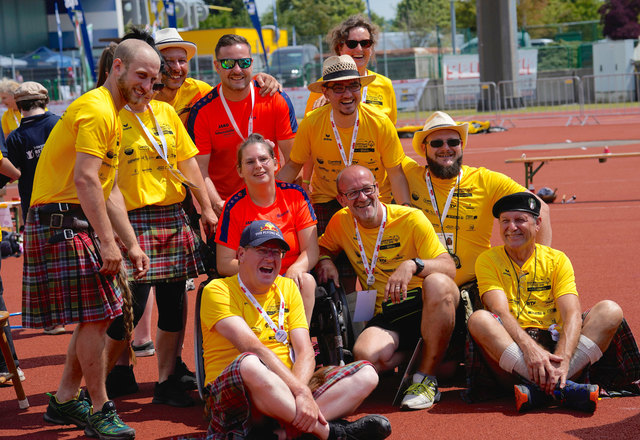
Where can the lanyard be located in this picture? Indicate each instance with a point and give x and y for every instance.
(162, 152)
(281, 334)
(432, 195)
(15, 118)
(371, 279)
(230, 115)
(356, 125)
(364, 94)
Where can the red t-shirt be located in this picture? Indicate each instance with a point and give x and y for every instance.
(291, 212)
(213, 133)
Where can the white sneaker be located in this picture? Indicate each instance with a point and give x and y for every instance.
(9, 382)
(421, 395)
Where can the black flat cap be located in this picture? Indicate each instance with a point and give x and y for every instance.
(522, 201)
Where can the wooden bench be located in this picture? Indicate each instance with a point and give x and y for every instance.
(530, 171)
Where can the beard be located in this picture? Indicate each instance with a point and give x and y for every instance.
(442, 172)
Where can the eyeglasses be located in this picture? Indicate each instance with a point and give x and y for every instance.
(265, 252)
(437, 143)
(230, 63)
(158, 86)
(366, 190)
(352, 44)
(339, 88)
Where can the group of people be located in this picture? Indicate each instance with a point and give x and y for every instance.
(106, 222)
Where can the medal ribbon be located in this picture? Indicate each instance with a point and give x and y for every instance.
(230, 115)
(354, 136)
(374, 258)
(262, 312)
(432, 195)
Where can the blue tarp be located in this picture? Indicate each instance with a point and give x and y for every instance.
(45, 57)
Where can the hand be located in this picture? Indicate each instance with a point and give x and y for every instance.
(558, 375)
(209, 221)
(307, 413)
(326, 270)
(140, 262)
(217, 207)
(320, 102)
(268, 84)
(539, 362)
(296, 274)
(396, 287)
(111, 257)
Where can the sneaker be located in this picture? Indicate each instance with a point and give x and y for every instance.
(371, 427)
(7, 381)
(144, 350)
(71, 412)
(171, 392)
(184, 375)
(529, 396)
(121, 381)
(54, 330)
(106, 425)
(580, 396)
(190, 284)
(421, 395)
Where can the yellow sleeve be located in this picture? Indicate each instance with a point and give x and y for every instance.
(502, 185)
(330, 240)
(94, 127)
(216, 303)
(301, 150)
(185, 148)
(313, 97)
(487, 273)
(564, 278)
(296, 317)
(391, 150)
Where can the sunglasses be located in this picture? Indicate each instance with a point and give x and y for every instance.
(341, 88)
(437, 143)
(366, 190)
(352, 44)
(158, 86)
(230, 63)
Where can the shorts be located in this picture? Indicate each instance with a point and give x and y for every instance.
(229, 404)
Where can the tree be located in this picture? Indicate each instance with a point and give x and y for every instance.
(420, 17)
(239, 17)
(620, 18)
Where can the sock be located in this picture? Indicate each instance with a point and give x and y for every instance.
(587, 352)
(512, 360)
(418, 377)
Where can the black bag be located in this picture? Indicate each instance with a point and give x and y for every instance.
(412, 305)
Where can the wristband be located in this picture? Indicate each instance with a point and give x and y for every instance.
(324, 257)
(306, 181)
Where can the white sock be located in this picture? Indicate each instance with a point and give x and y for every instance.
(512, 360)
(587, 352)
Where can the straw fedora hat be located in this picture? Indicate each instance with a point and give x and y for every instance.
(339, 68)
(169, 37)
(438, 121)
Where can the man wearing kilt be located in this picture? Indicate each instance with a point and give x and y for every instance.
(71, 254)
(156, 158)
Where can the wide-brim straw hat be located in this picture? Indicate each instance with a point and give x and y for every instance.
(339, 68)
(169, 37)
(438, 121)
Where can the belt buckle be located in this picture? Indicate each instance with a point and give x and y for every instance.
(68, 234)
(56, 220)
(63, 207)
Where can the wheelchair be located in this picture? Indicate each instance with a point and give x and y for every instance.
(330, 325)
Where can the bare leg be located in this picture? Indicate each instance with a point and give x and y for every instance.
(378, 346)
(489, 334)
(345, 396)
(308, 292)
(602, 322)
(72, 373)
(440, 297)
(116, 353)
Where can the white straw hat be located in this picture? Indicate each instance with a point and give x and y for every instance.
(339, 68)
(438, 121)
(169, 37)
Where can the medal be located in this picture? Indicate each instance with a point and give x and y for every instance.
(371, 280)
(456, 260)
(281, 336)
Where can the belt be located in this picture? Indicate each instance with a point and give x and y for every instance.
(65, 216)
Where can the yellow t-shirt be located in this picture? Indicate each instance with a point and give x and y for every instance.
(223, 298)
(10, 121)
(189, 93)
(143, 175)
(89, 125)
(380, 95)
(377, 148)
(480, 188)
(407, 235)
(549, 275)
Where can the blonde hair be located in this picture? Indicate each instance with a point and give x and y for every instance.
(8, 85)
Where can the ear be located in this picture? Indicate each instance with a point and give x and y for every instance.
(342, 199)
(216, 64)
(240, 253)
(538, 223)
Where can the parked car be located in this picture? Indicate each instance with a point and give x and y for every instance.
(295, 66)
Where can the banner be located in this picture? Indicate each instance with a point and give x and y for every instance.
(170, 9)
(76, 14)
(255, 19)
(59, 32)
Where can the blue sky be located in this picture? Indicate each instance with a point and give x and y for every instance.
(384, 8)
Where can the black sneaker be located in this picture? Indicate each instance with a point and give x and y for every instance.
(121, 381)
(371, 427)
(106, 425)
(71, 412)
(185, 376)
(171, 392)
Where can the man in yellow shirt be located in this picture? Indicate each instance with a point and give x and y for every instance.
(393, 249)
(532, 327)
(71, 254)
(259, 362)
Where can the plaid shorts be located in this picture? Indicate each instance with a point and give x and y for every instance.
(165, 236)
(229, 405)
(61, 283)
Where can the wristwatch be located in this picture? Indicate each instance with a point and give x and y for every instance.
(419, 265)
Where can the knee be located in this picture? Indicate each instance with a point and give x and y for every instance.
(366, 380)
(253, 372)
(438, 288)
(478, 322)
(308, 287)
(610, 311)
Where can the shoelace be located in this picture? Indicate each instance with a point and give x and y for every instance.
(425, 387)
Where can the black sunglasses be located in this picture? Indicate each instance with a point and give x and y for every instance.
(452, 142)
(158, 86)
(230, 63)
(352, 44)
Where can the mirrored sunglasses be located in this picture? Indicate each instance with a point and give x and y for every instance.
(229, 63)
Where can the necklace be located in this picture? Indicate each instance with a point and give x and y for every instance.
(520, 306)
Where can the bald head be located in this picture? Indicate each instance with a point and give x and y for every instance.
(130, 50)
(351, 173)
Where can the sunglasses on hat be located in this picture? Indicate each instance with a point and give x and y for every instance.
(452, 142)
(352, 44)
(230, 63)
